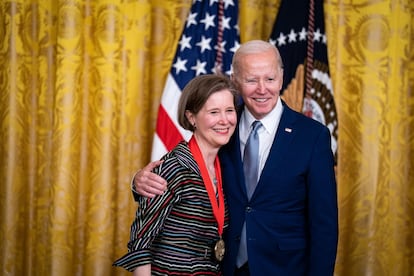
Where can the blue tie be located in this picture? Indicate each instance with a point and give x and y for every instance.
(251, 170)
(251, 159)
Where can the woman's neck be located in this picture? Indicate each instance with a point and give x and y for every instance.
(209, 154)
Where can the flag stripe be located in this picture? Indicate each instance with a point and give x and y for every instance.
(169, 101)
(167, 131)
(158, 148)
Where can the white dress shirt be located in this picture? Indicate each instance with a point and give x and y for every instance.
(266, 133)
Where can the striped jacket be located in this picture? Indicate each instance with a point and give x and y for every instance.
(175, 231)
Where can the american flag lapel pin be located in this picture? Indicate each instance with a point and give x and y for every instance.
(287, 129)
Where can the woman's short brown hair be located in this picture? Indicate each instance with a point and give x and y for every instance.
(196, 93)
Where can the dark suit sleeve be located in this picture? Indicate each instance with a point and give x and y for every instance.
(134, 192)
(322, 207)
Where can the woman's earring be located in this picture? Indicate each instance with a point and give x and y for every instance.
(194, 125)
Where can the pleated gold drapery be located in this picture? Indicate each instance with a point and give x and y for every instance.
(372, 59)
(80, 84)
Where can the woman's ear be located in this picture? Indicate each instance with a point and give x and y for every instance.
(190, 117)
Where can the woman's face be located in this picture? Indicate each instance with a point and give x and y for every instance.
(216, 121)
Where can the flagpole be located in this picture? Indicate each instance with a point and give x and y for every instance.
(309, 60)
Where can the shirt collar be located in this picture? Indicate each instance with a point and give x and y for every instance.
(270, 122)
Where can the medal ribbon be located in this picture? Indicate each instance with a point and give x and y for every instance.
(218, 207)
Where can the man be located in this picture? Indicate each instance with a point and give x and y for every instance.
(288, 220)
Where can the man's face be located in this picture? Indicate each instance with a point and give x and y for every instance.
(259, 82)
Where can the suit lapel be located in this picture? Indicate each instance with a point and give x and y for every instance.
(281, 145)
(231, 156)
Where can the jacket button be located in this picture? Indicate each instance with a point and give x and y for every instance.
(248, 209)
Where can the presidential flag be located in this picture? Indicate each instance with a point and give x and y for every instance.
(207, 44)
(299, 34)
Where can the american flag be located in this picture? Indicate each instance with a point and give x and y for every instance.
(207, 44)
(299, 34)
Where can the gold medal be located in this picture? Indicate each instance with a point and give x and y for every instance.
(219, 249)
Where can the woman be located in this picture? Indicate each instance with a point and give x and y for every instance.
(180, 231)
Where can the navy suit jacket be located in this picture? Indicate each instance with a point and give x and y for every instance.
(292, 217)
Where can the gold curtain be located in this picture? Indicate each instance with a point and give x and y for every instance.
(371, 54)
(80, 84)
